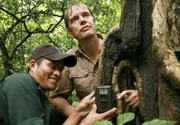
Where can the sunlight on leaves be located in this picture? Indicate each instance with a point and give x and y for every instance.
(125, 117)
(159, 122)
(103, 123)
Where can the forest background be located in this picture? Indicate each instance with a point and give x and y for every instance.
(25, 24)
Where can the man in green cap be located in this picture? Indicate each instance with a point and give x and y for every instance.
(22, 95)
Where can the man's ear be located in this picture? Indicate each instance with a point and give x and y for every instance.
(32, 64)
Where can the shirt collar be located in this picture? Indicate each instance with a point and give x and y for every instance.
(79, 50)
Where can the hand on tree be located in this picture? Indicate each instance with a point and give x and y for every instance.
(130, 96)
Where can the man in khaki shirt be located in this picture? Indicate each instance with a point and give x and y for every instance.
(83, 77)
(81, 25)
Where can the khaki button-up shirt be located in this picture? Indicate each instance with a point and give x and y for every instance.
(83, 77)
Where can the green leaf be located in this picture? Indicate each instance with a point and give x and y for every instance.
(125, 117)
(104, 122)
(159, 122)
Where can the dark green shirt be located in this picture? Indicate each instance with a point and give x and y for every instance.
(22, 103)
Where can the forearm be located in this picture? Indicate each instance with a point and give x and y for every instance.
(62, 106)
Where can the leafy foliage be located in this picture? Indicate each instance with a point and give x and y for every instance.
(103, 123)
(159, 122)
(73, 99)
(126, 117)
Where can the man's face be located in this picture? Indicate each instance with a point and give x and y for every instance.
(47, 73)
(81, 22)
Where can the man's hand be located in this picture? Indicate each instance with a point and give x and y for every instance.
(92, 117)
(81, 110)
(86, 104)
(130, 96)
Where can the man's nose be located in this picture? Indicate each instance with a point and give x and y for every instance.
(82, 20)
(57, 72)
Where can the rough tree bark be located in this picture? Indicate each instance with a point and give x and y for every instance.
(147, 66)
(131, 46)
(166, 37)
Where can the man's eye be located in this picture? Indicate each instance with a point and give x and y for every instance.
(53, 67)
(74, 19)
(86, 14)
(61, 69)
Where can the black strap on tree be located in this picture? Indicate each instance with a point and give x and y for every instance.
(130, 85)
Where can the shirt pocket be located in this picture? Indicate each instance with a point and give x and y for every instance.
(78, 73)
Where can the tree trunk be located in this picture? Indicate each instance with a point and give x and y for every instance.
(166, 36)
(147, 65)
(153, 63)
